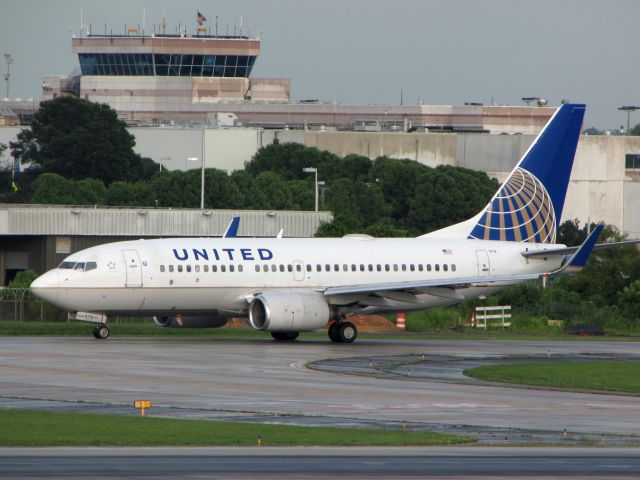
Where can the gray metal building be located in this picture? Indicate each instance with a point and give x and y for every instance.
(39, 237)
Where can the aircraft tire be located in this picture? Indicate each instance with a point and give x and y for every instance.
(285, 336)
(347, 332)
(334, 332)
(101, 332)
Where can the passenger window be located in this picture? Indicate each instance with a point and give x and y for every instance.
(453, 267)
(318, 268)
(362, 267)
(420, 267)
(298, 268)
(240, 268)
(387, 267)
(327, 267)
(171, 268)
(345, 267)
(370, 268)
(231, 268)
(197, 268)
(257, 268)
(214, 268)
(274, 268)
(437, 267)
(428, 267)
(188, 268)
(162, 268)
(353, 267)
(206, 268)
(336, 267)
(281, 268)
(379, 267)
(309, 267)
(223, 268)
(445, 267)
(395, 267)
(289, 268)
(412, 267)
(404, 267)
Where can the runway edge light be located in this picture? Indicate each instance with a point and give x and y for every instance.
(142, 405)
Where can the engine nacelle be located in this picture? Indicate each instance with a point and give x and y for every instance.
(191, 321)
(288, 312)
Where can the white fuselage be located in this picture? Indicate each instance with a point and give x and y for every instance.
(184, 275)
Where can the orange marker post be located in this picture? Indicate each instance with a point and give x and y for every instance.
(142, 405)
(400, 321)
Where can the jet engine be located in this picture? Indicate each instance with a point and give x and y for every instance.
(191, 321)
(288, 312)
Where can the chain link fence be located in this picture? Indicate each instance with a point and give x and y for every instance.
(20, 305)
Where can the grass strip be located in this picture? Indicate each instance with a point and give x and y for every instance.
(39, 428)
(126, 328)
(594, 376)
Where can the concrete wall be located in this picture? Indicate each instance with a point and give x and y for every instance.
(631, 207)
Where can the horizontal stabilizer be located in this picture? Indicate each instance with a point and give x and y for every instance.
(570, 250)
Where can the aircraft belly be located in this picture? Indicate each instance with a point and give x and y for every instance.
(142, 300)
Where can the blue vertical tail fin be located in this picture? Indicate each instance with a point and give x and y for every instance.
(528, 205)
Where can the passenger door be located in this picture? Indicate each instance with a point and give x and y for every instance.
(133, 268)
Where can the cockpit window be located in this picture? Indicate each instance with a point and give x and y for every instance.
(79, 266)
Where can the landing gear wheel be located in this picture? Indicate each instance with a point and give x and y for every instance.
(285, 336)
(334, 333)
(347, 332)
(101, 331)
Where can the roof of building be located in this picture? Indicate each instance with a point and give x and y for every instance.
(153, 222)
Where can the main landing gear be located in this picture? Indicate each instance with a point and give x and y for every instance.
(343, 332)
(101, 331)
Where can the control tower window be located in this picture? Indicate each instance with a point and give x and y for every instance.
(177, 65)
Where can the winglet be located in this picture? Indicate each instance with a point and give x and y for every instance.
(232, 229)
(579, 259)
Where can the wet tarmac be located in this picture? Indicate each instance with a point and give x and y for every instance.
(366, 384)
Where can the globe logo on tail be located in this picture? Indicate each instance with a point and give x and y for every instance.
(521, 211)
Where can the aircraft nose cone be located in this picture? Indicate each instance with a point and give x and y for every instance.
(47, 286)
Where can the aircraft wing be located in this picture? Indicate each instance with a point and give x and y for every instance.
(428, 286)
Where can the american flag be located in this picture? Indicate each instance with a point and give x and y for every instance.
(200, 18)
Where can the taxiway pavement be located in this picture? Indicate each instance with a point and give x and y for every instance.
(235, 378)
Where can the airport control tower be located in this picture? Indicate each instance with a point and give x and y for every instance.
(160, 76)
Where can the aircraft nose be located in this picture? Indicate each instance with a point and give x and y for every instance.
(47, 286)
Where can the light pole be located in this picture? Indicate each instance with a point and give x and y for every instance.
(315, 172)
(7, 76)
(628, 109)
(186, 167)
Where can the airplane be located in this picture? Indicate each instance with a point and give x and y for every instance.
(289, 285)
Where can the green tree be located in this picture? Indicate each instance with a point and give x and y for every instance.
(23, 279)
(635, 130)
(629, 301)
(79, 139)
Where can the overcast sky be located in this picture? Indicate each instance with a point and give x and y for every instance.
(367, 51)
